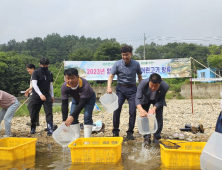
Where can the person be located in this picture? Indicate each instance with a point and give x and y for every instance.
(152, 91)
(30, 69)
(126, 70)
(42, 94)
(84, 97)
(9, 105)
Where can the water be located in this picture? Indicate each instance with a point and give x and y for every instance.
(55, 157)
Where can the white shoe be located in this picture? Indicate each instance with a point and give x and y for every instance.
(181, 136)
(87, 131)
(76, 127)
(176, 136)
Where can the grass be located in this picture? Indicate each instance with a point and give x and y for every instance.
(174, 95)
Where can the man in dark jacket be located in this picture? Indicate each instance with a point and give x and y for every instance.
(152, 91)
(42, 94)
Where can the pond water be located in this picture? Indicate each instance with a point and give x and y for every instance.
(134, 156)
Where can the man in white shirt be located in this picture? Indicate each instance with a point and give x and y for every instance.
(30, 69)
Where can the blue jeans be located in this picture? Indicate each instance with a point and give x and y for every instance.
(87, 112)
(7, 114)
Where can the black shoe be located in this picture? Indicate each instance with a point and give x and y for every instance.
(130, 136)
(199, 128)
(81, 126)
(190, 129)
(33, 128)
(156, 138)
(115, 134)
(147, 141)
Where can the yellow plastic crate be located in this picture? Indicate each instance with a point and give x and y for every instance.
(188, 155)
(96, 150)
(17, 148)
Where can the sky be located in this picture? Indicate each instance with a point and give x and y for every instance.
(162, 21)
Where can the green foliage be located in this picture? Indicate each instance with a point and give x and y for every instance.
(23, 111)
(215, 57)
(14, 77)
(174, 95)
(175, 83)
(108, 51)
(81, 54)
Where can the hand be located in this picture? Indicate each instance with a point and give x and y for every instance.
(152, 111)
(26, 94)
(52, 99)
(69, 120)
(109, 90)
(143, 113)
(43, 98)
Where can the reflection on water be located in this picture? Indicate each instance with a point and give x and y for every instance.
(134, 156)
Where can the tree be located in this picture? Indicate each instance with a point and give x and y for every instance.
(81, 54)
(14, 77)
(108, 51)
(215, 57)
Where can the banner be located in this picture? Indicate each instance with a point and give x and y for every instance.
(100, 70)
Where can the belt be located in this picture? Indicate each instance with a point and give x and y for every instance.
(130, 85)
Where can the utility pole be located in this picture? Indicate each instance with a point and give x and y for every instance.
(144, 47)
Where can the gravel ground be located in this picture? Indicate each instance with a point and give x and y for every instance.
(176, 115)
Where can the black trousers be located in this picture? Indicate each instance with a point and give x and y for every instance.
(36, 104)
(29, 107)
(124, 93)
(159, 118)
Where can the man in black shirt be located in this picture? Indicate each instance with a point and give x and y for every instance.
(42, 94)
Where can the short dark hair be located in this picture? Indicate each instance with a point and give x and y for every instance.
(71, 71)
(126, 48)
(44, 61)
(31, 66)
(155, 78)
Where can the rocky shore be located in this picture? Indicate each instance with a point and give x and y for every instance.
(176, 115)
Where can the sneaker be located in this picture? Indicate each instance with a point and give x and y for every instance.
(116, 134)
(130, 136)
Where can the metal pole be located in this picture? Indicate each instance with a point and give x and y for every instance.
(144, 47)
(191, 93)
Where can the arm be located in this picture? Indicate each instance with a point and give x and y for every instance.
(139, 96)
(64, 109)
(28, 91)
(139, 77)
(51, 92)
(37, 90)
(143, 113)
(110, 79)
(77, 110)
(161, 101)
